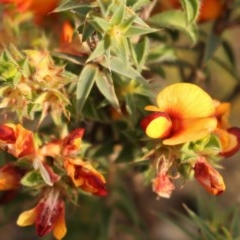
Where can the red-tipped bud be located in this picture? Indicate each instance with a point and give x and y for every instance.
(209, 177)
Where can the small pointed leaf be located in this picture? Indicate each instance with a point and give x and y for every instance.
(106, 87)
(118, 66)
(85, 84)
(191, 8)
(176, 20)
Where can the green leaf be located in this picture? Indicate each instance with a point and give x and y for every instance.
(139, 30)
(140, 53)
(139, 4)
(118, 15)
(176, 20)
(32, 179)
(102, 47)
(118, 66)
(125, 25)
(85, 84)
(105, 6)
(122, 48)
(73, 4)
(203, 225)
(83, 10)
(100, 24)
(234, 226)
(212, 44)
(191, 8)
(106, 87)
(87, 31)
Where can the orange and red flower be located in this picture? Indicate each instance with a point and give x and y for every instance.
(40, 9)
(82, 174)
(208, 177)
(17, 140)
(68, 146)
(85, 176)
(48, 215)
(184, 113)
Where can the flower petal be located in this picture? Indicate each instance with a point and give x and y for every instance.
(71, 143)
(27, 218)
(85, 176)
(157, 125)
(222, 111)
(185, 100)
(152, 108)
(7, 134)
(230, 140)
(24, 143)
(60, 230)
(191, 130)
(163, 186)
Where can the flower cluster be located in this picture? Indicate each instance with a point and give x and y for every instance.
(31, 83)
(49, 178)
(194, 134)
(65, 64)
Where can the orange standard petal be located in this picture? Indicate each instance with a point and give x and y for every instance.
(208, 177)
(184, 101)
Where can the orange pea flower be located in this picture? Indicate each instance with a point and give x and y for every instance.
(162, 185)
(184, 113)
(211, 10)
(85, 176)
(208, 177)
(10, 177)
(40, 9)
(68, 146)
(71, 43)
(17, 140)
(48, 215)
(229, 136)
(67, 33)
